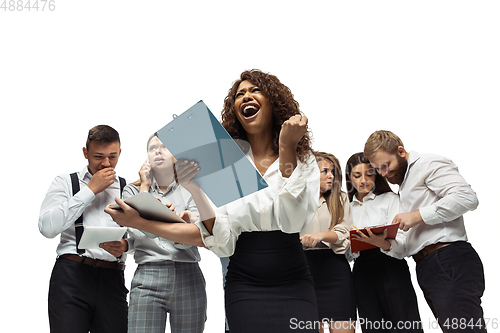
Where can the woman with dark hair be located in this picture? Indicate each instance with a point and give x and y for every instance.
(385, 296)
(283, 106)
(268, 285)
(380, 185)
(325, 241)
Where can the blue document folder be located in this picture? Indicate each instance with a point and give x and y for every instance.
(226, 174)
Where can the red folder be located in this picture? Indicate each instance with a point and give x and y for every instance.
(356, 246)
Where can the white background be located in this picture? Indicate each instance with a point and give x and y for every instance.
(427, 70)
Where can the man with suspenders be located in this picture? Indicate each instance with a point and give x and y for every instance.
(87, 290)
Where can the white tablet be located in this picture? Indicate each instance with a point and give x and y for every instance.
(150, 208)
(93, 236)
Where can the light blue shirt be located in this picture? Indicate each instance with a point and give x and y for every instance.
(150, 248)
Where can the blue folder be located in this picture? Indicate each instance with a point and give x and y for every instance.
(226, 174)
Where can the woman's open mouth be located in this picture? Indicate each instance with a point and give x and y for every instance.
(250, 110)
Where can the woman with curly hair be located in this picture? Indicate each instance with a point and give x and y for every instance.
(326, 240)
(283, 106)
(268, 285)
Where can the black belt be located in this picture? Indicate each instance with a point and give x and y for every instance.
(94, 262)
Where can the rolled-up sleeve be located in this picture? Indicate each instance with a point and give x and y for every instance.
(398, 248)
(60, 209)
(223, 239)
(343, 229)
(457, 197)
(298, 196)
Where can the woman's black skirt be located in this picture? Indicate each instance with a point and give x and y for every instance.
(333, 284)
(384, 293)
(268, 285)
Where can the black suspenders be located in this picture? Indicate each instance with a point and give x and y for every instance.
(75, 183)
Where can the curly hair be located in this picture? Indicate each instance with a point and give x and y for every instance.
(283, 105)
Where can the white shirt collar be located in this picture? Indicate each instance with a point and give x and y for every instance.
(414, 156)
(369, 196)
(85, 174)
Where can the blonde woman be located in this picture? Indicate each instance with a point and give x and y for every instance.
(168, 281)
(325, 241)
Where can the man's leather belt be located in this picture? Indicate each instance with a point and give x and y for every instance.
(94, 262)
(428, 250)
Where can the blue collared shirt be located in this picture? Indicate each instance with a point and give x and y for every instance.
(150, 248)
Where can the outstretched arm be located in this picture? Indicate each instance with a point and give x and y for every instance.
(185, 233)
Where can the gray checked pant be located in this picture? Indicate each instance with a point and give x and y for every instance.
(175, 288)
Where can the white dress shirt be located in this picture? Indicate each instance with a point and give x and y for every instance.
(287, 204)
(433, 186)
(60, 209)
(377, 210)
(151, 248)
(321, 223)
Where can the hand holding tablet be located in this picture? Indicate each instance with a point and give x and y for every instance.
(150, 208)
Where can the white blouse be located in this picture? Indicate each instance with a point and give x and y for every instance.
(377, 210)
(321, 222)
(287, 204)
